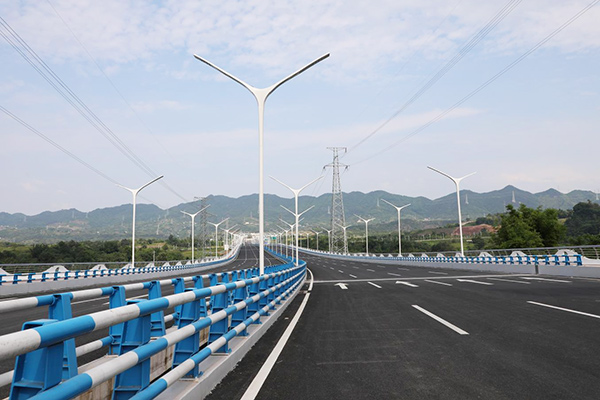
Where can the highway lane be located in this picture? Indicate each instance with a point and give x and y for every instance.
(11, 322)
(462, 335)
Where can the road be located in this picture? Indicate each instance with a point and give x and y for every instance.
(12, 322)
(419, 333)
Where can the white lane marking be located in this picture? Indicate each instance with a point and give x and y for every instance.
(381, 266)
(439, 273)
(509, 280)
(372, 270)
(342, 286)
(403, 269)
(391, 273)
(472, 281)
(131, 298)
(87, 301)
(441, 321)
(439, 283)
(355, 267)
(353, 276)
(546, 279)
(331, 267)
(340, 271)
(262, 375)
(565, 309)
(374, 284)
(407, 284)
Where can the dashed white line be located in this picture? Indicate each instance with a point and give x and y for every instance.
(374, 284)
(352, 276)
(403, 269)
(565, 309)
(340, 271)
(407, 284)
(439, 283)
(391, 273)
(472, 281)
(439, 273)
(441, 321)
(372, 270)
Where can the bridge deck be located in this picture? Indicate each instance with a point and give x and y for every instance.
(441, 334)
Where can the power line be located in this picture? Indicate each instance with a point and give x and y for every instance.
(486, 83)
(37, 63)
(492, 23)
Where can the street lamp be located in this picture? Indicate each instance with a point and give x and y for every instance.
(291, 230)
(295, 214)
(328, 238)
(135, 192)
(345, 237)
(193, 237)
(227, 236)
(399, 232)
(296, 193)
(316, 233)
(366, 221)
(457, 183)
(217, 233)
(261, 96)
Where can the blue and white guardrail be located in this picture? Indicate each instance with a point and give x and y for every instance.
(46, 357)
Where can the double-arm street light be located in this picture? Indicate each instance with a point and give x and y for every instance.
(135, 192)
(316, 233)
(261, 96)
(193, 237)
(328, 238)
(457, 183)
(227, 231)
(217, 233)
(345, 236)
(399, 231)
(366, 221)
(295, 214)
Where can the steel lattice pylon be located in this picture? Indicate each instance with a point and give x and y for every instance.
(339, 244)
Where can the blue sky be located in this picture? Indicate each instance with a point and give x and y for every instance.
(131, 62)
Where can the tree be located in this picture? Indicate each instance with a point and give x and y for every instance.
(528, 227)
(585, 219)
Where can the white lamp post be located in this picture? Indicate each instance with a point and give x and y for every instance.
(329, 238)
(227, 231)
(295, 214)
(457, 183)
(296, 193)
(135, 192)
(317, 233)
(399, 231)
(366, 221)
(193, 237)
(345, 237)
(286, 236)
(261, 96)
(217, 233)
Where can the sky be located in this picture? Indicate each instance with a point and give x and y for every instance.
(461, 85)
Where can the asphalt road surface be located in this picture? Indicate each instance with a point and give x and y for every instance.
(12, 322)
(399, 332)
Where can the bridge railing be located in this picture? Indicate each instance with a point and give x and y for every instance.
(31, 273)
(46, 358)
(552, 256)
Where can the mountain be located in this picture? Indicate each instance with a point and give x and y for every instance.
(152, 221)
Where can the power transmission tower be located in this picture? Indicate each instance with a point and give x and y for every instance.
(338, 218)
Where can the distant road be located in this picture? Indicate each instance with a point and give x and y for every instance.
(399, 332)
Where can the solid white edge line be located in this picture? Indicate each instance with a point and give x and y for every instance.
(265, 370)
(564, 309)
(441, 321)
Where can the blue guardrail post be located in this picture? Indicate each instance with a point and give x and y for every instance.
(157, 319)
(189, 346)
(38, 370)
(135, 333)
(60, 310)
(116, 299)
(221, 327)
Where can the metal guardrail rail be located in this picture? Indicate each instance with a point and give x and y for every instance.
(45, 353)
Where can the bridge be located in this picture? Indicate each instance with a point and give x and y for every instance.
(347, 326)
